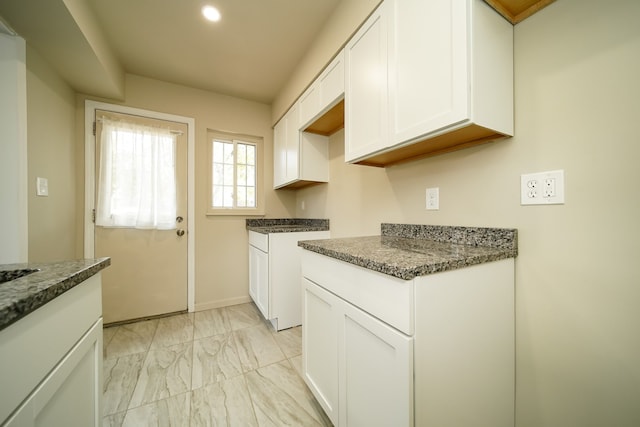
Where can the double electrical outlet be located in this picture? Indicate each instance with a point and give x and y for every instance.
(542, 188)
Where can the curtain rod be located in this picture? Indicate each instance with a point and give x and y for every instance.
(175, 132)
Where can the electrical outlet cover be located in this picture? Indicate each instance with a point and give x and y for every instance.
(433, 199)
(542, 188)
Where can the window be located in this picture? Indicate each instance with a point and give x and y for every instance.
(235, 163)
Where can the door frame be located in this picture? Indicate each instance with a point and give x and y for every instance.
(90, 108)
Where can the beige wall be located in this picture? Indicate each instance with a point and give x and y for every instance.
(51, 154)
(344, 21)
(577, 102)
(14, 221)
(221, 246)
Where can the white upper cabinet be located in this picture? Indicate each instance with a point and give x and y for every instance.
(324, 93)
(366, 82)
(299, 158)
(427, 77)
(286, 142)
(301, 143)
(427, 65)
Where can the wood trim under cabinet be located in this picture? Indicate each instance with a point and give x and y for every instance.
(516, 11)
(330, 122)
(465, 137)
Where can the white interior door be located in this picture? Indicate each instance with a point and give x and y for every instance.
(148, 273)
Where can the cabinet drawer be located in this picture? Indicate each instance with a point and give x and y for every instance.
(259, 240)
(388, 298)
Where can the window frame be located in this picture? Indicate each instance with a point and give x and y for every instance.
(258, 142)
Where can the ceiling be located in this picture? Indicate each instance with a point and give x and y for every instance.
(250, 53)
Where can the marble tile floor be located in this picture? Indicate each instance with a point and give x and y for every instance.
(224, 366)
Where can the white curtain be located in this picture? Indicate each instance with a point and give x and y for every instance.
(137, 178)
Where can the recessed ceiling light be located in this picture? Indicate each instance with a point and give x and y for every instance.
(211, 13)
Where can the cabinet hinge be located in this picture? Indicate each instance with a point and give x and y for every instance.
(93, 215)
(94, 128)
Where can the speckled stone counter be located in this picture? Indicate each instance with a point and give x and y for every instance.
(22, 296)
(287, 225)
(407, 251)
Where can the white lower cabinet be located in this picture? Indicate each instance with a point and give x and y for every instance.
(377, 362)
(69, 394)
(259, 278)
(51, 370)
(274, 275)
(437, 350)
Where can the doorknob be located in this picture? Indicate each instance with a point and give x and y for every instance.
(180, 232)
(179, 219)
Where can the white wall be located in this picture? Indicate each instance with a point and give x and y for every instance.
(577, 104)
(13, 150)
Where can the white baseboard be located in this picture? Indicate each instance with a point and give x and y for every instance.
(222, 303)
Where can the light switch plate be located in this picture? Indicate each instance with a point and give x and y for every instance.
(42, 186)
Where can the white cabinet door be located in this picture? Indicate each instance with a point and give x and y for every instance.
(377, 372)
(286, 148)
(293, 144)
(259, 279)
(320, 346)
(428, 66)
(323, 93)
(70, 395)
(280, 153)
(366, 100)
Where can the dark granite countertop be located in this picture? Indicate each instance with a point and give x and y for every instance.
(21, 296)
(407, 251)
(287, 225)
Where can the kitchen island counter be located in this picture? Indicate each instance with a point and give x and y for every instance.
(408, 251)
(22, 296)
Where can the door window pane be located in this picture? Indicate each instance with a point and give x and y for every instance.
(136, 176)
